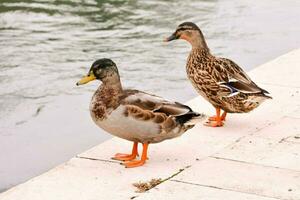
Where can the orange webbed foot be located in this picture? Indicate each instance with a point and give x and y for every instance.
(214, 123)
(135, 163)
(124, 157)
(214, 118)
(127, 157)
(217, 120)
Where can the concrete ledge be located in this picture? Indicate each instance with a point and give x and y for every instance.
(255, 156)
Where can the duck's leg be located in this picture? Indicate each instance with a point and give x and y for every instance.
(127, 157)
(223, 116)
(217, 122)
(214, 118)
(137, 163)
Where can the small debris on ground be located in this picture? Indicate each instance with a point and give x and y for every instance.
(145, 186)
(21, 122)
(38, 110)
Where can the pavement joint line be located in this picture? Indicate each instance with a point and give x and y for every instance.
(242, 137)
(252, 163)
(293, 117)
(97, 159)
(268, 125)
(254, 134)
(287, 141)
(226, 189)
(283, 140)
(227, 146)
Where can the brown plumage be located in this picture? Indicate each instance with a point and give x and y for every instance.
(219, 80)
(135, 115)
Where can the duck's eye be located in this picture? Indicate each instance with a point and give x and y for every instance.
(188, 33)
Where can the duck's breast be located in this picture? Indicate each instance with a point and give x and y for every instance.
(127, 127)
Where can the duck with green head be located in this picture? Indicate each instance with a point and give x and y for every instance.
(219, 80)
(134, 115)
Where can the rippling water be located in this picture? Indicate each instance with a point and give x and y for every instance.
(46, 46)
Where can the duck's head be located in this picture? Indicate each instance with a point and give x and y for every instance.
(190, 32)
(104, 70)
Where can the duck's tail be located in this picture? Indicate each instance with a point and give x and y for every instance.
(265, 93)
(190, 119)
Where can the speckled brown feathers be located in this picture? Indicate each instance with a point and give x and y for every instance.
(223, 83)
(104, 100)
(165, 122)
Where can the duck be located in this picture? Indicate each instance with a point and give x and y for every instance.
(134, 115)
(220, 81)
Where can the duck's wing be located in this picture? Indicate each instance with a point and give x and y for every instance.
(149, 102)
(144, 106)
(235, 78)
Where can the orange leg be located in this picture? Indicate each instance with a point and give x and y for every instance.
(214, 118)
(223, 116)
(218, 119)
(127, 157)
(141, 162)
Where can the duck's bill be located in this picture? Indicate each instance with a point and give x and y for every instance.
(86, 79)
(170, 38)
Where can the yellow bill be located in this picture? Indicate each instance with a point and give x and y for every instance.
(86, 79)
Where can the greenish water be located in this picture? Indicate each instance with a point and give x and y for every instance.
(46, 46)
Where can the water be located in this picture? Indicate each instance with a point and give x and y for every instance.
(46, 46)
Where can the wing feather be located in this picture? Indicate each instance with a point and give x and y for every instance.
(237, 79)
(167, 114)
(154, 103)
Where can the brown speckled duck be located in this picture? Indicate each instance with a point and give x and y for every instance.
(134, 115)
(219, 80)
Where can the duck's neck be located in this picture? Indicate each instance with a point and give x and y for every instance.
(109, 92)
(198, 56)
(200, 52)
(113, 84)
(111, 88)
(198, 42)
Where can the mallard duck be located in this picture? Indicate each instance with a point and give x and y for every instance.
(134, 115)
(219, 80)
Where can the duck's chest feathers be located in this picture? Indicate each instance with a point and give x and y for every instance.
(200, 69)
(198, 60)
(104, 101)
